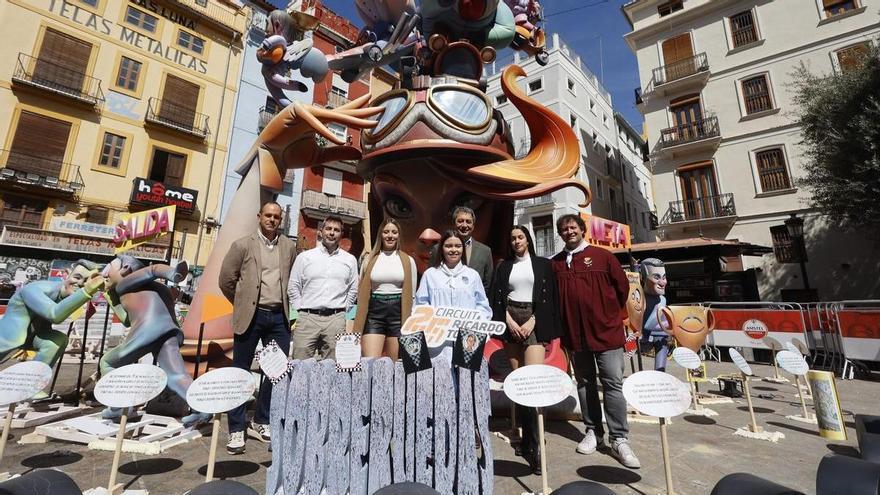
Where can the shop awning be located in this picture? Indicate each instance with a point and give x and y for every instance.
(693, 247)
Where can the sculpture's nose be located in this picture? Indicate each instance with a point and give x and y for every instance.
(429, 237)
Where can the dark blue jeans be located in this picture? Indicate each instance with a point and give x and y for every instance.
(266, 326)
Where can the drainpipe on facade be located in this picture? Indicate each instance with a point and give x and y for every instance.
(235, 36)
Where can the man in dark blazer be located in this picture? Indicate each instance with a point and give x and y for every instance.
(254, 278)
(479, 255)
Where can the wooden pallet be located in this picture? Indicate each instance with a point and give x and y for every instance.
(27, 416)
(148, 434)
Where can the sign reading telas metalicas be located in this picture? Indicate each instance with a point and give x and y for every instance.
(154, 193)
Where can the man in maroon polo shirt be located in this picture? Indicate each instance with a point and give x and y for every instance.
(592, 290)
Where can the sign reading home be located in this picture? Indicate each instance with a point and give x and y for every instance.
(154, 193)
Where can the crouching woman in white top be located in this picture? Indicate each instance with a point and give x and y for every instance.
(385, 293)
(449, 282)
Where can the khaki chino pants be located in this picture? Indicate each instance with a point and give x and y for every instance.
(316, 333)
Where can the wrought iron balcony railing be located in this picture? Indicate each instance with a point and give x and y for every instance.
(31, 171)
(709, 207)
(325, 204)
(51, 76)
(681, 69)
(540, 200)
(178, 117)
(217, 12)
(690, 132)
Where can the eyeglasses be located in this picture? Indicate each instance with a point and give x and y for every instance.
(461, 107)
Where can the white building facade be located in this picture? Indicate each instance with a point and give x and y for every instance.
(716, 92)
(573, 92)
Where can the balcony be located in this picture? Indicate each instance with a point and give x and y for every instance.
(701, 135)
(264, 118)
(638, 97)
(45, 75)
(315, 204)
(178, 117)
(216, 13)
(613, 169)
(544, 200)
(692, 72)
(719, 209)
(336, 100)
(39, 176)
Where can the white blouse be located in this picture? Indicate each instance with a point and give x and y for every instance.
(522, 279)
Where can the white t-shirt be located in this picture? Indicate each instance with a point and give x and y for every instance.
(387, 274)
(522, 279)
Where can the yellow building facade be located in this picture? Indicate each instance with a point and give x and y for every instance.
(109, 107)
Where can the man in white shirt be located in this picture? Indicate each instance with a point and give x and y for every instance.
(323, 286)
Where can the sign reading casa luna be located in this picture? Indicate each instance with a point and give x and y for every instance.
(73, 12)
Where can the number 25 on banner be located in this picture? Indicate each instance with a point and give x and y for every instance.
(423, 320)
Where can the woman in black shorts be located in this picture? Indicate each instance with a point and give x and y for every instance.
(524, 296)
(385, 293)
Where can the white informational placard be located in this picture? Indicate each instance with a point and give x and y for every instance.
(772, 344)
(792, 362)
(657, 394)
(441, 324)
(220, 390)
(537, 385)
(740, 361)
(273, 361)
(348, 352)
(22, 381)
(686, 358)
(130, 385)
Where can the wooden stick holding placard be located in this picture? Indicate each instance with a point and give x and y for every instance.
(544, 484)
(212, 454)
(112, 487)
(697, 407)
(754, 425)
(797, 384)
(7, 425)
(667, 465)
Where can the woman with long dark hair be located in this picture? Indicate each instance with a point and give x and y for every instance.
(385, 293)
(524, 296)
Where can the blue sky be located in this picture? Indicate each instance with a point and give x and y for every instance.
(581, 24)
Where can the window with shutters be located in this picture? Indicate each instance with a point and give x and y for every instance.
(536, 85)
(62, 61)
(141, 19)
(666, 8)
(743, 29)
(853, 56)
(190, 41)
(756, 94)
(783, 246)
(111, 150)
(39, 145)
(545, 236)
(180, 98)
(837, 7)
(772, 170)
(128, 75)
(22, 211)
(167, 167)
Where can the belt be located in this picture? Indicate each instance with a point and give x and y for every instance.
(322, 311)
(270, 308)
(385, 297)
(518, 304)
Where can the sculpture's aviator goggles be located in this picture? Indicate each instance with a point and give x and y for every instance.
(461, 107)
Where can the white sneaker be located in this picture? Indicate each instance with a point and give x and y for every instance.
(259, 432)
(588, 444)
(621, 450)
(235, 445)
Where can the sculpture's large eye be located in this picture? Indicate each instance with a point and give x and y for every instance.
(398, 207)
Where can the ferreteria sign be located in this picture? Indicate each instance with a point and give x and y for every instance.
(153, 193)
(57, 241)
(98, 24)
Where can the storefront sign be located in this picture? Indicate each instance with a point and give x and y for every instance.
(135, 229)
(60, 224)
(73, 12)
(755, 329)
(606, 233)
(153, 193)
(56, 241)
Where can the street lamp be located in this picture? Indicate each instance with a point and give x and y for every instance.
(795, 227)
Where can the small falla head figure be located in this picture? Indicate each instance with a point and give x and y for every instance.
(635, 305)
(653, 274)
(688, 325)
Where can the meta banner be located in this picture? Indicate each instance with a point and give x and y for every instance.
(138, 228)
(606, 233)
(154, 193)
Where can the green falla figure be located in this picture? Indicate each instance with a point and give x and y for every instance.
(32, 310)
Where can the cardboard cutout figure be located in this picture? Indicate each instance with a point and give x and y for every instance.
(32, 310)
(285, 49)
(689, 325)
(655, 338)
(146, 306)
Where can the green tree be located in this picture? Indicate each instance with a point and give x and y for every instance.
(840, 119)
